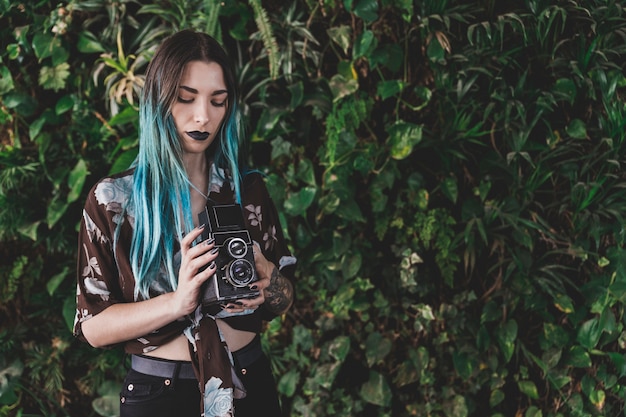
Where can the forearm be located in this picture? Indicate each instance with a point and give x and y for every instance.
(279, 293)
(125, 321)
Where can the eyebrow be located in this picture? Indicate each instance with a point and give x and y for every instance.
(194, 91)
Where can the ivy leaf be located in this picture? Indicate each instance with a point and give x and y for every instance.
(297, 203)
(377, 348)
(529, 388)
(578, 357)
(288, 382)
(351, 266)
(64, 104)
(44, 45)
(339, 348)
(53, 78)
(6, 80)
(589, 333)
(341, 86)
(389, 88)
(506, 336)
(364, 44)
(403, 136)
(577, 129)
(342, 36)
(376, 391)
(367, 10)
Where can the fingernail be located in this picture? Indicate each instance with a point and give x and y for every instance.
(209, 241)
(253, 287)
(213, 265)
(238, 303)
(230, 306)
(214, 250)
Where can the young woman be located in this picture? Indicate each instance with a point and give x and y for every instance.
(142, 259)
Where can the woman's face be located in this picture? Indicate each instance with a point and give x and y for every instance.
(201, 105)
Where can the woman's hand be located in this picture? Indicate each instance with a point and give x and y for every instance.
(275, 290)
(190, 275)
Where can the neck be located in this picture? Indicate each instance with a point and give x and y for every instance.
(198, 172)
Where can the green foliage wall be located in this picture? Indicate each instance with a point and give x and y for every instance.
(450, 173)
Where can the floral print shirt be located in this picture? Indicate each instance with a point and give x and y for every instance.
(105, 276)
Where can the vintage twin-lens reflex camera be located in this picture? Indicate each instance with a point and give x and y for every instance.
(235, 260)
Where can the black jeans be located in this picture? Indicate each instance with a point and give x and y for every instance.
(151, 396)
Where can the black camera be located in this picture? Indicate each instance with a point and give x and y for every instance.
(235, 260)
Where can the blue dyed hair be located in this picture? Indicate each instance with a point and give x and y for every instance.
(160, 196)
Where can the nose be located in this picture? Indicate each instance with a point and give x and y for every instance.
(201, 113)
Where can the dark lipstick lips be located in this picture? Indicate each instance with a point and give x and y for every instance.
(195, 135)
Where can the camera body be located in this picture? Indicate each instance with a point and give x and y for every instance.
(235, 261)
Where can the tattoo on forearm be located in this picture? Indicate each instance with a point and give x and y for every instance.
(279, 294)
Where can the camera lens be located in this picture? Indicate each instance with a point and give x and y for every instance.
(237, 247)
(240, 273)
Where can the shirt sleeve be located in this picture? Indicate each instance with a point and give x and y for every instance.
(264, 226)
(96, 270)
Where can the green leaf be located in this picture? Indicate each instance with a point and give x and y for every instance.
(377, 347)
(342, 36)
(124, 160)
(589, 333)
(128, 115)
(351, 265)
(577, 129)
(578, 357)
(76, 180)
(64, 104)
(107, 406)
(390, 88)
(450, 189)
(564, 303)
(6, 80)
(88, 43)
(53, 78)
(69, 311)
(339, 348)
(376, 390)
(566, 89)
(56, 209)
(403, 136)
(463, 364)
(364, 45)
(288, 382)
(341, 86)
(496, 397)
(506, 336)
(529, 388)
(56, 280)
(367, 10)
(297, 203)
(44, 45)
(35, 127)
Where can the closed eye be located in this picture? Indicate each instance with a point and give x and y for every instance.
(218, 104)
(182, 100)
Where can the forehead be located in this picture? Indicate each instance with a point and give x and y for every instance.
(203, 76)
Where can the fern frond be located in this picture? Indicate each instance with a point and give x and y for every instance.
(267, 35)
(211, 15)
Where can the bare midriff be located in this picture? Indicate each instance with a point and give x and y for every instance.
(178, 349)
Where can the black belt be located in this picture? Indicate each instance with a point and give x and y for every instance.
(164, 368)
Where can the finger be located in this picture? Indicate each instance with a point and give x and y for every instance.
(188, 239)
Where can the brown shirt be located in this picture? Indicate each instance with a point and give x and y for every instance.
(104, 273)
